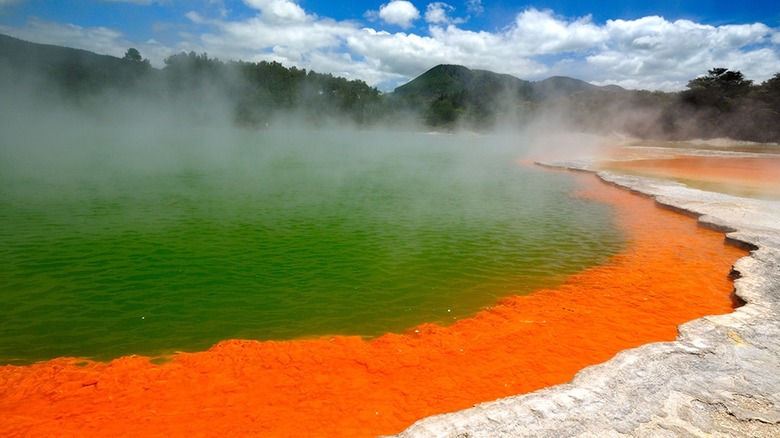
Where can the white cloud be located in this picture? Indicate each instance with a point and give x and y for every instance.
(665, 55)
(278, 10)
(536, 32)
(474, 7)
(399, 12)
(411, 54)
(439, 13)
(195, 17)
(649, 52)
(256, 33)
(101, 40)
(400, 52)
(98, 39)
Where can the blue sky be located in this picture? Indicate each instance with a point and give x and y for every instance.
(636, 44)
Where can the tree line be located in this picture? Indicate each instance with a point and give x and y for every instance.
(257, 91)
(722, 103)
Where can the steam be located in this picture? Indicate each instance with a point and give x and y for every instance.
(51, 139)
(56, 138)
(152, 128)
(145, 161)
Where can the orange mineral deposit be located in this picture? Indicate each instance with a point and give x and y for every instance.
(757, 176)
(670, 272)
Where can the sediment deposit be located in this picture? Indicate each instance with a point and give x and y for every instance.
(347, 386)
(720, 377)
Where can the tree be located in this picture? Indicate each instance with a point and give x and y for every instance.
(771, 92)
(441, 112)
(719, 89)
(133, 55)
(139, 66)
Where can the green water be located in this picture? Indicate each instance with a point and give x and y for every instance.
(113, 246)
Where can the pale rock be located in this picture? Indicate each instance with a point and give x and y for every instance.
(720, 378)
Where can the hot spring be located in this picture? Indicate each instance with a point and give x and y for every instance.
(115, 243)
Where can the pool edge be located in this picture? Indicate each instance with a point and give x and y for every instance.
(721, 376)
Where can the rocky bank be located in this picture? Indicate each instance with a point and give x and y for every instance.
(720, 378)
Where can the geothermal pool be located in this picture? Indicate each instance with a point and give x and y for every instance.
(113, 245)
(667, 271)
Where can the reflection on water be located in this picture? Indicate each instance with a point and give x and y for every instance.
(273, 235)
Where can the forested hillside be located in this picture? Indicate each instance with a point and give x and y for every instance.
(721, 103)
(253, 92)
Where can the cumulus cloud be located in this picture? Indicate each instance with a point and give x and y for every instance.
(536, 32)
(278, 10)
(281, 31)
(99, 39)
(439, 13)
(399, 12)
(256, 34)
(649, 52)
(655, 48)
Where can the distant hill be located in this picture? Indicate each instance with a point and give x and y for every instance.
(444, 80)
(448, 94)
(193, 85)
(560, 86)
(448, 97)
(26, 54)
(72, 69)
(453, 79)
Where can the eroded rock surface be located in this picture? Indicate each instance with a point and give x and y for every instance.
(720, 378)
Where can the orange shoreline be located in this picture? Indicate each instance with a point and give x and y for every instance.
(756, 176)
(671, 272)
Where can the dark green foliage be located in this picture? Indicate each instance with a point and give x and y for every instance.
(478, 98)
(190, 73)
(74, 73)
(253, 92)
(721, 89)
(722, 103)
(769, 92)
(441, 112)
(258, 91)
(133, 55)
(269, 87)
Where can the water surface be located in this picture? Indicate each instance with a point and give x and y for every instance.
(113, 245)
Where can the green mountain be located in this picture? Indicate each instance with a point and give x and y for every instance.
(561, 86)
(25, 54)
(72, 70)
(258, 94)
(447, 94)
(454, 79)
(451, 80)
(250, 93)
